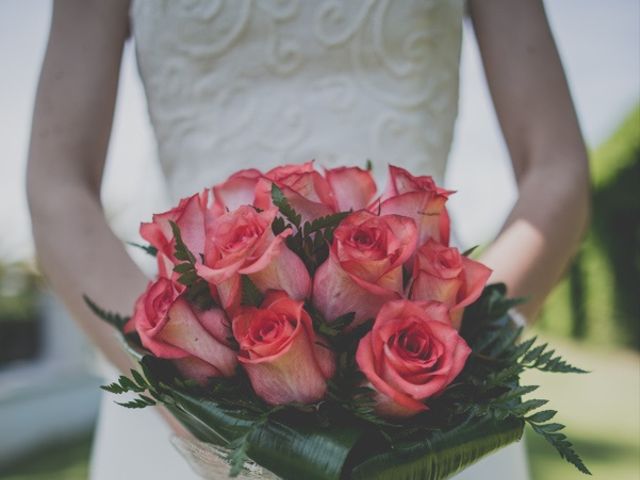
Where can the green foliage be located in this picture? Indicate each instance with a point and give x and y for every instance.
(198, 292)
(238, 456)
(153, 251)
(251, 296)
(111, 318)
(335, 330)
(598, 300)
(469, 251)
(137, 384)
(311, 241)
(18, 293)
(280, 201)
(495, 367)
(369, 165)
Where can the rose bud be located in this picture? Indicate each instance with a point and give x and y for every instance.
(444, 275)
(242, 242)
(364, 268)
(410, 355)
(418, 198)
(189, 216)
(280, 352)
(171, 328)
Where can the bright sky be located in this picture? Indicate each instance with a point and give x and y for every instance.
(599, 43)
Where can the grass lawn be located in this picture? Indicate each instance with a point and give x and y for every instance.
(601, 411)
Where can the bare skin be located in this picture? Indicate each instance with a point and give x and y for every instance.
(77, 251)
(72, 120)
(539, 124)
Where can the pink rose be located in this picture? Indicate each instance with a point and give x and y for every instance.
(242, 242)
(418, 198)
(312, 195)
(239, 189)
(189, 216)
(364, 268)
(309, 193)
(353, 188)
(171, 328)
(444, 275)
(280, 352)
(410, 355)
(306, 190)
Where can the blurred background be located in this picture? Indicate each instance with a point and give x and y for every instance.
(48, 382)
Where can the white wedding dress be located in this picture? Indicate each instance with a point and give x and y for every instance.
(257, 83)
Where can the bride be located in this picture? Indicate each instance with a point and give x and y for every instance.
(244, 83)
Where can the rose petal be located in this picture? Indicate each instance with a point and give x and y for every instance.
(185, 331)
(195, 369)
(428, 287)
(424, 208)
(353, 188)
(476, 276)
(292, 374)
(336, 293)
(392, 403)
(239, 189)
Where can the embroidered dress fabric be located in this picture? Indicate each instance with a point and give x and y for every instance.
(257, 83)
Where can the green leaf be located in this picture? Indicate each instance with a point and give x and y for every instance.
(114, 388)
(188, 278)
(331, 329)
(529, 405)
(251, 296)
(280, 201)
(469, 251)
(138, 378)
(278, 226)
(291, 446)
(197, 292)
(551, 427)
(182, 252)
(442, 454)
(321, 223)
(147, 399)
(183, 268)
(136, 403)
(505, 341)
(238, 455)
(113, 319)
(153, 251)
(535, 353)
(561, 444)
(542, 416)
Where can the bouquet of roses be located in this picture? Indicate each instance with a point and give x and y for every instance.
(303, 322)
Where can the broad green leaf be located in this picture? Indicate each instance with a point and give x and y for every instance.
(293, 450)
(441, 456)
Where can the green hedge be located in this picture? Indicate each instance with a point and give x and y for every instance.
(599, 299)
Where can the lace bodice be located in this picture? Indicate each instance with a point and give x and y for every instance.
(255, 83)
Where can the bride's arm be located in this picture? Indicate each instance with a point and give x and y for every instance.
(74, 106)
(541, 130)
(77, 251)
